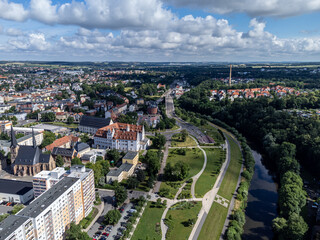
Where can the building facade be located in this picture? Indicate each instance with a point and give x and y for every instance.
(49, 215)
(121, 136)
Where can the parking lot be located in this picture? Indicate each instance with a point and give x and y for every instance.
(5, 209)
(101, 232)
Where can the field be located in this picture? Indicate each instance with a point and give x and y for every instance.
(213, 225)
(215, 158)
(180, 214)
(176, 142)
(149, 225)
(230, 180)
(212, 132)
(194, 158)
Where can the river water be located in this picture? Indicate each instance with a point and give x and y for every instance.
(262, 203)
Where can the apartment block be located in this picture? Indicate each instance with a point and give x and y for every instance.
(44, 180)
(86, 176)
(49, 215)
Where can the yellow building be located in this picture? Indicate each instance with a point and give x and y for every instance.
(131, 157)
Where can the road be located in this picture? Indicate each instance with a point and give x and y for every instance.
(192, 130)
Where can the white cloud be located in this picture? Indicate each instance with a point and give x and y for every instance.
(14, 32)
(34, 42)
(276, 8)
(12, 11)
(43, 11)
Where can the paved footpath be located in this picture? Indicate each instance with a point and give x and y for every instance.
(209, 197)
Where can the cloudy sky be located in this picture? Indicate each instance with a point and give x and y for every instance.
(160, 30)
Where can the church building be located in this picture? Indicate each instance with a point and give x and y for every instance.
(29, 160)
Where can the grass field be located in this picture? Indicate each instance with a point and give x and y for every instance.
(213, 225)
(176, 142)
(215, 158)
(178, 227)
(194, 158)
(212, 132)
(149, 225)
(230, 180)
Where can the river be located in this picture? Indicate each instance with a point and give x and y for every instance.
(262, 203)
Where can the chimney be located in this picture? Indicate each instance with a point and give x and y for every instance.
(230, 76)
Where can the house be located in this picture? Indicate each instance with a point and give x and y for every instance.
(67, 154)
(64, 142)
(90, 125)
(121, 136)
(140, 101)
(150, 120)
(161, 86)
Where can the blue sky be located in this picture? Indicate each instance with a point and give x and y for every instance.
(160, 30)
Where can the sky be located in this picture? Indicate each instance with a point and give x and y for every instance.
(160, 30)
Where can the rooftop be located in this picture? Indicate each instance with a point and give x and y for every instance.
(94, 122)
(125, 167)
(11, 224)
(15, 187)
(38, 205)
(130, 155)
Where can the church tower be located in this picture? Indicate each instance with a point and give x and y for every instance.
(14, 147)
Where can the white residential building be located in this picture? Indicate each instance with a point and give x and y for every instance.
(121, 136)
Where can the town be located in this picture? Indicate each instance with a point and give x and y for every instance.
(106, 152)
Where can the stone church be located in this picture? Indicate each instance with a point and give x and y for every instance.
(29, 160)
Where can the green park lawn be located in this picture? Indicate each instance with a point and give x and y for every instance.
(212, 132)
(180, 213)
(149, 225)
(176, 142)
(194, 158)
(215, 158)
(212, 227)
(231, 177)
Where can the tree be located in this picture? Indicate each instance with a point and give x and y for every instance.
(177, 172)
(17, 208)
(76, 161)
(112, 217)
(48, 138)
(132, 182)
(59, 161)
(84, 138)
(120, 194)
(184, 135)
(48, 117)
(279, 224)
(141, 176)
(70, 120)
(75, 233)
(114, 155)
(296, 227)
(153, 163)
(158, 141)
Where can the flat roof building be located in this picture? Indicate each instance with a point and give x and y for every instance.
(15, 191)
